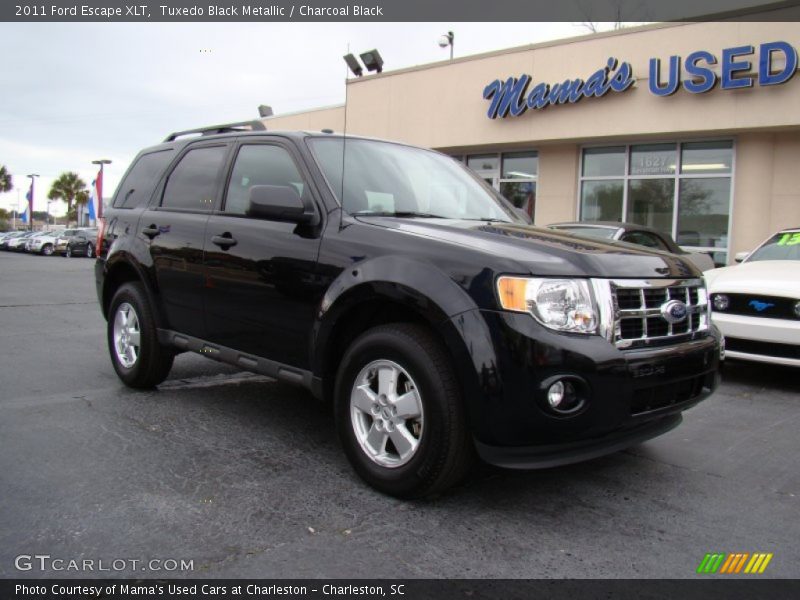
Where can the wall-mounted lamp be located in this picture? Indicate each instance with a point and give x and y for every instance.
(372, 60)
(352, 63)
(447, 40)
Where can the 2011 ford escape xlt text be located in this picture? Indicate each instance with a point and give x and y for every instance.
(393, 282)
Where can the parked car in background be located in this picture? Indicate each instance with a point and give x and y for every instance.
(44, 243)
(756, 304)
(82, 243)
(17, 244)
(635, 234)
(62, 239)
(63, 246)
(7, 237)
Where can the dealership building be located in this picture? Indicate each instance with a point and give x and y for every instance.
(690, 128)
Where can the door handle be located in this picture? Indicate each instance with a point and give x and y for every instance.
(224, 241)
(151, 231)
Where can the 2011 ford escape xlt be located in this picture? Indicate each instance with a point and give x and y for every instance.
(392, 281)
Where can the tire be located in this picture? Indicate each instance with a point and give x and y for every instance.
(89, 251)
(405, 448)
(148, 364)
(47, 249)
(68, 252)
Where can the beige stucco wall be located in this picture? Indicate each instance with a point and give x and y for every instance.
(331, 117)
(766, 187)
(557, 187)
(441, 106)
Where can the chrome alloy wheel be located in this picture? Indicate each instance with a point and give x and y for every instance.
(127, 335)
(386, 413)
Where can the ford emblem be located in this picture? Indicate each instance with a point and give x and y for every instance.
(674, 311)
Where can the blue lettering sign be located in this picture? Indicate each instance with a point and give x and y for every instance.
(705, 78)
(765, 74)
(730, 66)
(674, 80)
(510, 97)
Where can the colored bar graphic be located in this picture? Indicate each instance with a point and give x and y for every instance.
(734, 562)
(711, 563)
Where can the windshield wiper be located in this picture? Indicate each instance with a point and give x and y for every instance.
(398, 213)
(487, 219)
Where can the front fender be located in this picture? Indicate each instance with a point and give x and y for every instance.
(441, 302)
(415, 284)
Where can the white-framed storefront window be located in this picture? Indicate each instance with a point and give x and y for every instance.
(513, 174)
(683, 189)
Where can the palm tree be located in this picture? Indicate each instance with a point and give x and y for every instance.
(66, 188)
(6, 185)
(81, 199)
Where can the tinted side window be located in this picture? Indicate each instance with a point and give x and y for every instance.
(260, 165)
(644, 239)
(137, 187)
(193, 182)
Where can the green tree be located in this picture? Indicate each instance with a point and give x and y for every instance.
(6, 184)
(81, 200)
(66, 188)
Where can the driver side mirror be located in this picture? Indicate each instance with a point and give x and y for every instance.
(278, 203)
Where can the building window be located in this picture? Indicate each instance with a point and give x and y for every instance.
(513, 174)
(681, 189)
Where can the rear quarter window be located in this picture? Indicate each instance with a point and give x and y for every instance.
(139, 182)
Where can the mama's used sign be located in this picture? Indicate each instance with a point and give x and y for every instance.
(516, 95)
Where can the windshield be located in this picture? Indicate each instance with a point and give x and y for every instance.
(603, 233)
(781, 246)
(382, 178)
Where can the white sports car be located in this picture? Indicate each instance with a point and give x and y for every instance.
(757, 304)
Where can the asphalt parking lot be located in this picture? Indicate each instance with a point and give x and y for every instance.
(244, 476)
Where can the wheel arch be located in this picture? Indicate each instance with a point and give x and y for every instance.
(120, 272)
(393, 291)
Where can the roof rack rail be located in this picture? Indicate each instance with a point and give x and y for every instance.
(224, 128)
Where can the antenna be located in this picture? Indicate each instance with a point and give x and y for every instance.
(344, 141)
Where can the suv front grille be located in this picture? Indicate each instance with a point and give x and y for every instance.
(641, 315)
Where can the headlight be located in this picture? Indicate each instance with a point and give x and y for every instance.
(560, 304)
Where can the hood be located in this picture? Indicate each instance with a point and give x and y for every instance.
(774, 277)
(546, 252)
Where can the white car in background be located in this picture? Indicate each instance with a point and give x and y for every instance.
(44, 243)
(757, 304)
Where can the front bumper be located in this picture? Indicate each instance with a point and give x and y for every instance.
(556, 455)
(632, 395)
(760, 339)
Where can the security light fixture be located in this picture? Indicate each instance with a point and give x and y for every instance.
(372, 60)
(352, 62)
(265, 111)
(447, 40)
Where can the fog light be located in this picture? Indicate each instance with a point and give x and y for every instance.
(797, 309)
(555, 395)
(721, 302)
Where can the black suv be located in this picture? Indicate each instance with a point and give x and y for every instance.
(392, 281)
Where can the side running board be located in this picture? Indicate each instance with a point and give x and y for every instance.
(256, 364)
